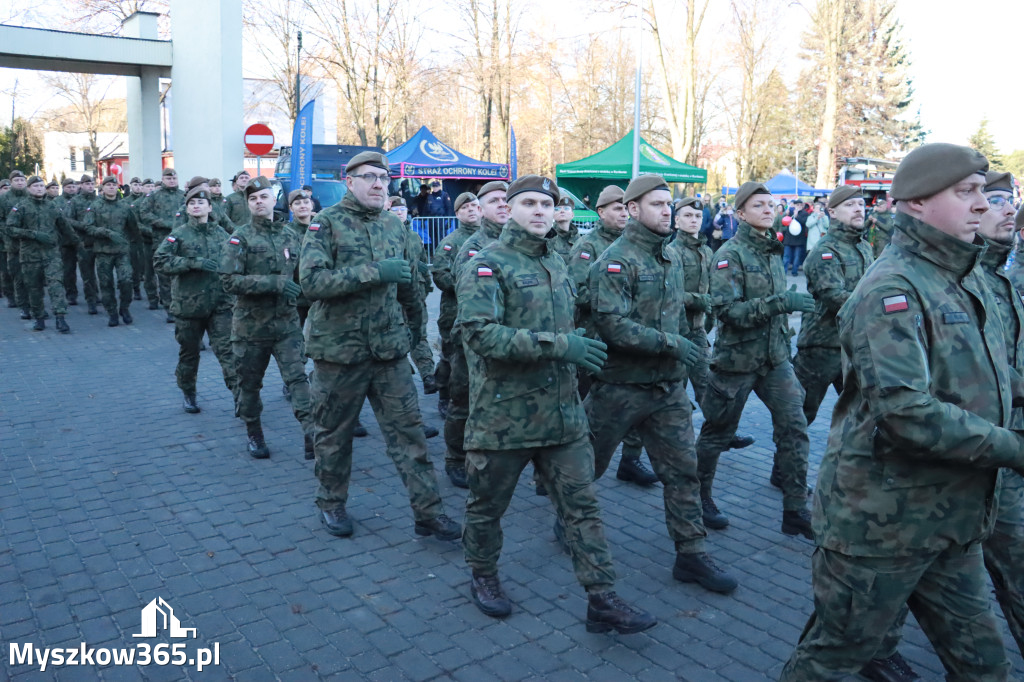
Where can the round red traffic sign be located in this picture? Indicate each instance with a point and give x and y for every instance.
(259, 139)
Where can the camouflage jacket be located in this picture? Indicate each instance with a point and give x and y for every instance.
(135, 201)
(695, 255)
(75, 215)
(747, 296)
(217, 215)
(111, 224)
(917, 433)
(833, 268)
(1007, 288)
(9, 200)
(237, 208)
(487, 234)
(444, 276)
(157, 212)
(194, 291)
(636, 289)
(562, 242)
(258, 260)
(583, 254)
(419, 260)
(299, 230)
(355, 317)
(515, 300)
(881, 231)
(31, 217)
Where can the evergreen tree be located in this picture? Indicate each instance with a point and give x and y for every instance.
(983, 142)
(21, 148)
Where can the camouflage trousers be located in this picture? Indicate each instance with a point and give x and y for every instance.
(252, 357)
(817, 369)
(661, 415)
(138, 254)
(568, 473)
(443, 369)
(723, 406)
(338, 395)
(163, 282)
(87, 266)
(108, 267)
(698, 376)
(44, 277)
(188, 332)
(6, 285)
(856, 600)
(69, 265)
(14, 270)
(458, 404)
(632, 444)
(421, 355)
(148, 272)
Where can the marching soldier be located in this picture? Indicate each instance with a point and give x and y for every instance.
(564, 234)
(516, 308)
(191, 256)
(421, 354)
(69, 248)
(52, 190)
(237, 205)
(110, 221)
(18, 295)
(158, 210)
(139, 251)
(751, 353)
(258, 267)
(881, 224)
(86, 256)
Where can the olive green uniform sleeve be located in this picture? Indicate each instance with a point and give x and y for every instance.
(151, 215)
(235, 278)
(826, 280)
(727, 296)
(612, 300)
(167, 260)
(321, 277)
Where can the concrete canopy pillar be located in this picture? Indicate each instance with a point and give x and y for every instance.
(143, 104)
(206, 82)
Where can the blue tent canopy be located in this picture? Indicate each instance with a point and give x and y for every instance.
(424, 156)
(786, 184)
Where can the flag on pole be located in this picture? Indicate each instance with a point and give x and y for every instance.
(512, 154)
(302, 148)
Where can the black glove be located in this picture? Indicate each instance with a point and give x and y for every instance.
(209, 265)
(590, 354)
(796, 302)
(394, 270)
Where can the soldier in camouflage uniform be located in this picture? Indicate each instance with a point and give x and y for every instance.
(68, 248)
(110, 221)
(365, 318)
(39, 226)
(880, 223)
(18, 295)
(237, 205)
(751, 353)
(905, 492)
(833, 268)
(86, 257)
(516, 309)
(421, 354)
(191, 256)
(6, 286)
(139, 251)
(217, 197)
(300, 203)
(637, 306)
(467, 211)
(52, 190)
(494, 212)
(217, 213)
(613, 218)
(258, 267)
(158, 219)
(564, 234)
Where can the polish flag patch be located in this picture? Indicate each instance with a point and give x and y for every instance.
(484, 272)
(584, 255)
(614, 267)
(314, 227)
(235, 240)
(722, 264)
(826, 256)
(473, 252)
(447, 247)
(171, 239)
(895, 304)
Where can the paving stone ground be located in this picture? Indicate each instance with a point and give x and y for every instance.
(111, 496)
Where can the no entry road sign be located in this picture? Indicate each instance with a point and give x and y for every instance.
(259, 139)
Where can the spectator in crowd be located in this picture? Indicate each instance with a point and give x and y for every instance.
(316, 202)
(437, 203)
(817, 224)
(794, 238)
(723, 228)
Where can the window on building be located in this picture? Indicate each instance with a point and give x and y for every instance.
(74, 161)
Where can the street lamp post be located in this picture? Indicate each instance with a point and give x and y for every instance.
(298, 77)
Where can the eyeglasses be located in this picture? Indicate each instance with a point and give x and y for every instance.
(999, 202)
(373, 178)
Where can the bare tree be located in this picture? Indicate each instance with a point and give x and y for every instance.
(90, 111)
(106, 16)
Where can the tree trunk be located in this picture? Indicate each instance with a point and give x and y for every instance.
(832, 43)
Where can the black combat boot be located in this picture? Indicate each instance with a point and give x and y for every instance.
(430, 431)
(441, 527)
(257, 446)
(11, 303)
(540, 488)
(62, 326)
(457, 475)
(93, 310)
(72, 300)
(631, 469)
(713, 518)
(360, 431)
(892, 669)
(336, 521)
(701, 569)
(153, 305)
(26, 314)
(39, 326)
(740, 442)
(112, 321)
(126, 316)
(308, 444)
(170, 318)
(429, 385)
(607, 611)
(189, 403)
(797, 522)
(489, 597)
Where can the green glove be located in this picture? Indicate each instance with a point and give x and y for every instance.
(394, 270)
(590, 354)
(291, 289)
(687, 351)
(209, 265)
(796, 302)
(45, 238)
(705, 301)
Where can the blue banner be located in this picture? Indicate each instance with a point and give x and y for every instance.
(302, 148)
(512, 156)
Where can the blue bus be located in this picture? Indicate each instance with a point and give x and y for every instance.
(328, 170)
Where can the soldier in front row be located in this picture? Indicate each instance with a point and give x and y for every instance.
(564, 234)
(18, 295)
(110, 221)
(516, 307)
(421, 354)
(158, 219)
(191, 256)
(905, 492)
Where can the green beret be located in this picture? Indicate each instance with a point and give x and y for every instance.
(15, 174)
(998, 182)
(492, 186)
(195, 182)
(464, 198)
(298, 194)
(609, 195)
(134, 180)
(33, 180)
(690, 201)
(109, 179)
(5, 183)
(86, 178)
(375, 159)
(258, 183)
(68, 181)
(197, 193)
(147, 181)
(397, 201)
(842, 193)
(52, 183)
(747, 190)
(641, 185)
(168, 172)
(239, 174)
(566, 201)
(214, 182)
(533, 183)
(931, 168)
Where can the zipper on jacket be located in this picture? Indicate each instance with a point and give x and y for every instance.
(919, 338)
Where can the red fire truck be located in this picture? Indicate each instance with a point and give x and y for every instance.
(873, 176)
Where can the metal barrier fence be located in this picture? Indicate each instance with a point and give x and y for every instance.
(433, 230)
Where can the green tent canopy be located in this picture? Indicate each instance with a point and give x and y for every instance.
(614, 165)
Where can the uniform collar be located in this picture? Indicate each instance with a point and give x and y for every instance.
(263, 223)
(846, 232)
(688, 240)
(765, 242)
(995, 254)
(923, 240)
(609, 233)
(648, 240)
(192, 222)
(350, 203)
(468, 227)
(516, 236)
(491, 228)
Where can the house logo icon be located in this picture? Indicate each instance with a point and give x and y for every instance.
(159, 611)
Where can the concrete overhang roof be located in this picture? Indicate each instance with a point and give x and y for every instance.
(48, 50)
